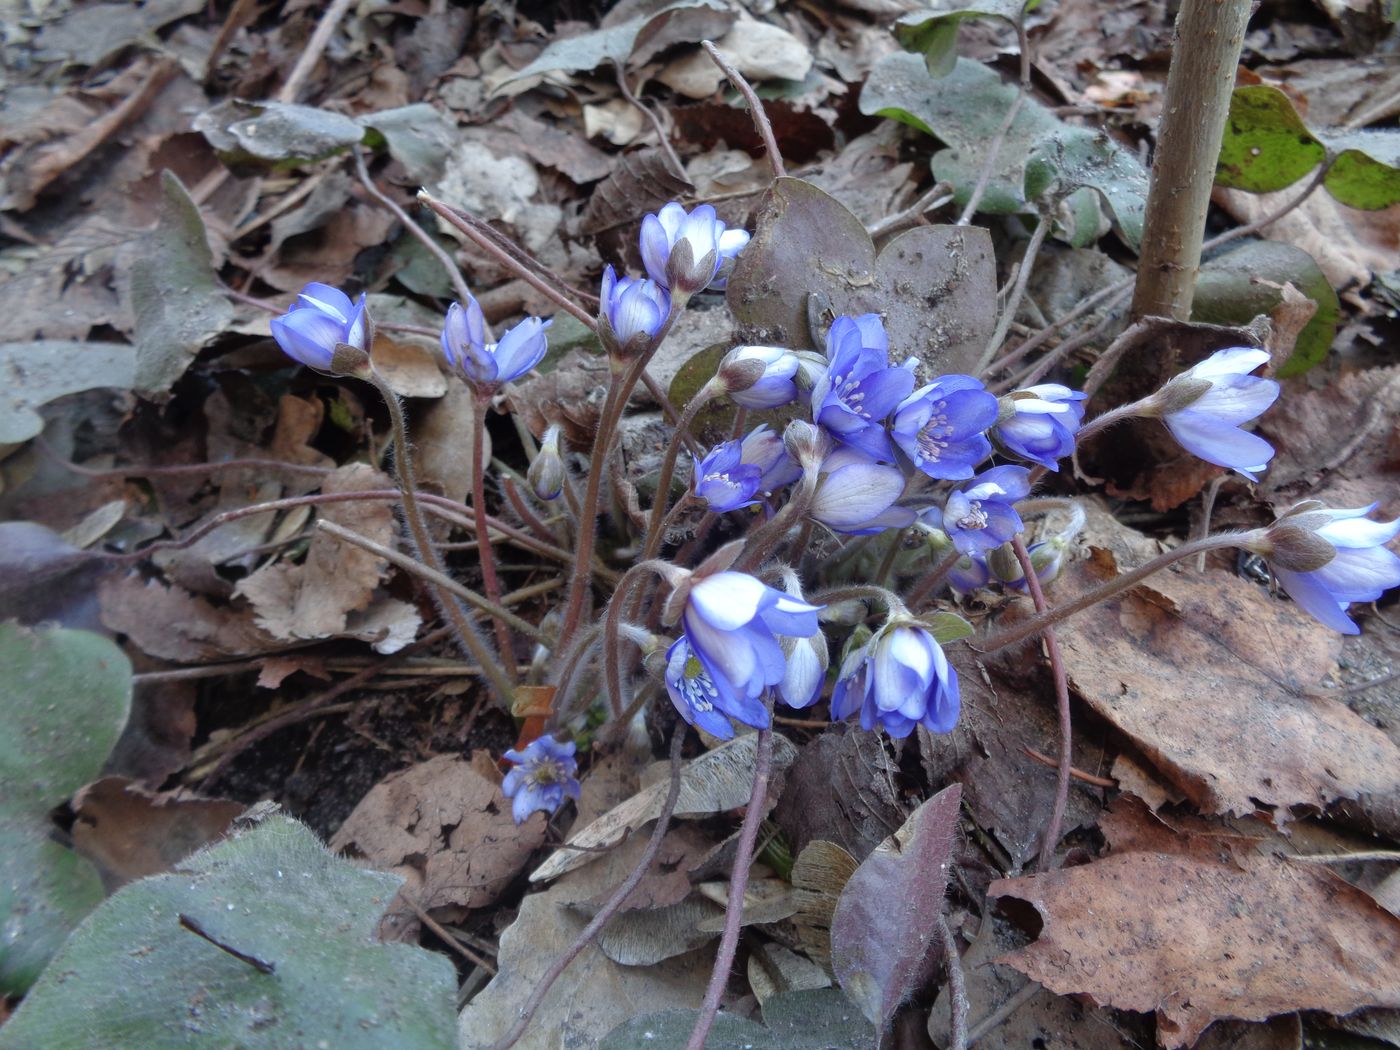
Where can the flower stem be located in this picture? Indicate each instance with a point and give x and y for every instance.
(452, 609)
(937, 575)
(490, 582)
(738, 885)
(1057, 671)
(1117, 585)
(612, 634)
(655, 532)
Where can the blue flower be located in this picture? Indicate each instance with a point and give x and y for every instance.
(731, 622)
(859, 388)
(856, 495)
(320, 320)
(632, 309)
(969, 573)
(724, 481)
(897, 680)
(942, 426)
(708, 700)
(683, 252)
(544, 773)
(1326, 559)
(491, 364)
(764, 448)
(1042, 424)
(759, 377)
(1205, 405)
(979, 517)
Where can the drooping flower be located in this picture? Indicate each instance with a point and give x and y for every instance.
(897, 680)
(759, 377)
(632, 309)
(1205, 405)
(704, 700)
(764, 448)
(979, 516)
(942, 427)
(857, 495)
(546, 473)
(488, 365)
(1039, 423)
(724, 481)
(731, 623)
(1326, 559)
(860, 388)
(545, 772)
(683, 251)
(320, 320)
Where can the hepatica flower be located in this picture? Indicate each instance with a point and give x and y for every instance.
(764, 448)
(942, 426)
(491, 364)
(545, 772)
(856, 495)
(897, 680)
(979, 517)
(724, 481)
(320, 320)
(859, 388)
(1205, 405)
(1326, 559)
(729, 653)
(759, 377)
(1039, 423)
(633, 309)
(683, 251)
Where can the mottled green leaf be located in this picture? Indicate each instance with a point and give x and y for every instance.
(252, 138)
(66, 696)
(1041, 154)
(1237, 286)
(417, 136)
(934, 32)
(265, 940)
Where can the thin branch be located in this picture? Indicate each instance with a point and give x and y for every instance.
(1018, 291)
(311, 54)
(662, 138)
(1028, 992)
(756, 111)
(957, 986)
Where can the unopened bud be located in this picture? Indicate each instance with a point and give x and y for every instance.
(805, 444)
(546, 473)
(1004, 564)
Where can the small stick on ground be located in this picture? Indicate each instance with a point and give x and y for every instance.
(311, 54)
(957, 987)
(756, 111)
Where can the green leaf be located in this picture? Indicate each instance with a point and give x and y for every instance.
(947, 627)
(253, 138)
(636, 39)
(1267, 147)
(47, 369)
(66, 696)
(815, 1019)
(934, 32)
(417, 136)
(176, 298)
(284, 955)
(1041, 155)
(1237, 286)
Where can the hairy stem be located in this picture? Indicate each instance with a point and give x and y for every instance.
(486, 555)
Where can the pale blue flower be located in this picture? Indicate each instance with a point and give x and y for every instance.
(898, 680)
(856, 495)
(320, 320)
(488, 365)
(633, 309)
(724, 481)
(1208, 424)
(859, 388)
(942, 427)
(684, 251)
(1042, 424)
(759, 377)
(545, 772)
(980, 516)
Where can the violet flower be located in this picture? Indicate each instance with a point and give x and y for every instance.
(1326, 559)
(1205, 405)
(759, 377)
(1042, 423)
(764, 448)
(632, 310)
(897, 680)
(859, 388)
(724, 481)
(545, 772)
(979, 517)
(488, 365)
(320, 320)
(942, 426)
(683, 251)
(856, 495)
(704, 700)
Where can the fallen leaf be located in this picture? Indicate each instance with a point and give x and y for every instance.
(129, 832)
(171, 623)
(1211, 679)
(758, 50)
(446, 820)
(884, 935)
(1201, 926)
(39, 372)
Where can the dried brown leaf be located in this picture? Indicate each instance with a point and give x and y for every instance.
(1201, 926)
